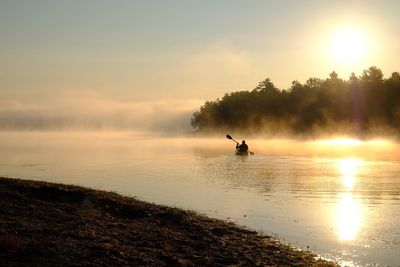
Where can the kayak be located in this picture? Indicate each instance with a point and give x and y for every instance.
(242, 153)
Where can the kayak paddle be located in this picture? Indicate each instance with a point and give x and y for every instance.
(230, 137)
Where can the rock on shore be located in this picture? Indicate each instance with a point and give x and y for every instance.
(44, 224)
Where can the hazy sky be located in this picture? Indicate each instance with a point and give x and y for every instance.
(130, 51)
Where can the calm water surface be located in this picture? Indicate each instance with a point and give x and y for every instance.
(341, 199)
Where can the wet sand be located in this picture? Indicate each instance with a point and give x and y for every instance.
(44, 224)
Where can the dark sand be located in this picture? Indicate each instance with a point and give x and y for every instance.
(45, 224)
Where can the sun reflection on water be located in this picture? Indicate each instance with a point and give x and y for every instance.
(344, 142)
(348, 170)
(348, 218)
(349, 211)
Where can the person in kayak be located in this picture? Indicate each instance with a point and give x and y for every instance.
(242, 147)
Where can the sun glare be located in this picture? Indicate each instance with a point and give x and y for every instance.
(342, 142)
(348, 170)
(348, 46)
(349, 213)
(349, 217)
(348, 167)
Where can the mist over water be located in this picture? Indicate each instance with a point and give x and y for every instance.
(92, 112)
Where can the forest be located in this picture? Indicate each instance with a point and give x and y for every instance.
(362, 105)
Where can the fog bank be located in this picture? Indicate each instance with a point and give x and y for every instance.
(93, 112)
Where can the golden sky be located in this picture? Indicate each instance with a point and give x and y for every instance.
(137, 51)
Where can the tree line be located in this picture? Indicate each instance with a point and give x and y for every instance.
(363, 104)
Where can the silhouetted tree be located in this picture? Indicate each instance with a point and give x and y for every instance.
(373, 74)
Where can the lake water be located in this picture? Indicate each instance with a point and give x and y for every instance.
(339, 198)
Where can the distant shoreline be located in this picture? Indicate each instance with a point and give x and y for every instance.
(52, 224)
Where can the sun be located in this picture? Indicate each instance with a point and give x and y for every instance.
(349, 46)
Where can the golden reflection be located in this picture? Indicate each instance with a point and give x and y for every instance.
(348, 221)
(348, 170)
(348, 167)
(348, 181)
(348, 215)
(342, 142)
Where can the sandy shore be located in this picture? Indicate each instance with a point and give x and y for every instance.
(52, 224)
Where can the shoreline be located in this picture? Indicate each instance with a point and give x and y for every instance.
(54, 224)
